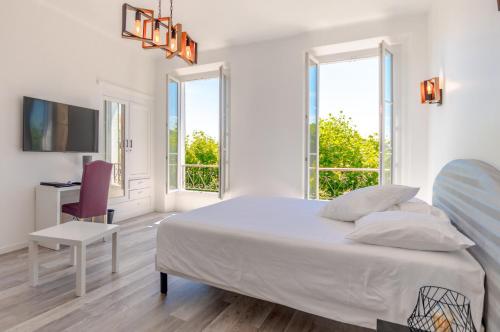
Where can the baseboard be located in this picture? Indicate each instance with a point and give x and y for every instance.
(13, 247)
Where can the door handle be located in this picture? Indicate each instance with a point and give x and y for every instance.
(131, 141)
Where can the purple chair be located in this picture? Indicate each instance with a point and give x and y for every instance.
(93, 192)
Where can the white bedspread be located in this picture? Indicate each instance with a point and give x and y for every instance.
(281, 250)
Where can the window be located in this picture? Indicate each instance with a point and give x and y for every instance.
(349, 123)
(197, 128)
(173, 134)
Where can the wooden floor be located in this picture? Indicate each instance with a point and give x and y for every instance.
(131, 300)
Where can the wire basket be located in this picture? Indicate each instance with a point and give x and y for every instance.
(440, 309)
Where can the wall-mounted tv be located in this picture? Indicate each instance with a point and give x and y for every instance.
(55, 127)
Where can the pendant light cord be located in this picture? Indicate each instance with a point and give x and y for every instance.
(171, 11)
(159, 8)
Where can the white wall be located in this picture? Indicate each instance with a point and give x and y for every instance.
(267, 109)
(464, 43)
(49, 55)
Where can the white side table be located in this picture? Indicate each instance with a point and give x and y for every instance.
(76, 234)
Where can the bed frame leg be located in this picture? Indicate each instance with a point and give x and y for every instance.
(163, 283)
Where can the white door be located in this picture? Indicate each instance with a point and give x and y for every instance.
(312, 129)
(173, 125)
(138, 162)
(224, 131)
(386, 113)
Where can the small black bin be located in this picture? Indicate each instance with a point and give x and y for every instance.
(111, 213)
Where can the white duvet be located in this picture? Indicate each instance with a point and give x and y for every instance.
(283, 251)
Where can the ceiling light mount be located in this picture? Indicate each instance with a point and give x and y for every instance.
(158, 32)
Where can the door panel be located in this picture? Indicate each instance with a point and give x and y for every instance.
(139, 144)
(173, 133)
(386, 113)
(312, 128)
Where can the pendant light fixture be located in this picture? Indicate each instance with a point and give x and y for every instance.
(158, 33)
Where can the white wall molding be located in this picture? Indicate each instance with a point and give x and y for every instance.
(125, 93)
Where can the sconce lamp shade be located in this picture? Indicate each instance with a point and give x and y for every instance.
(430, 91)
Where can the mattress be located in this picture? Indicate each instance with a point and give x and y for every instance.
(281, 250)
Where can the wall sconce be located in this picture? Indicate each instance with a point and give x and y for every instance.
(431, 91)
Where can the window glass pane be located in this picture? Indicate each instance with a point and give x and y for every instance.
(312, 167)
(173, 176)
(313, 107)
(313, 178)
(387, 138)
(173, 133)
(388, 76)
(387, 157)
(173, 107)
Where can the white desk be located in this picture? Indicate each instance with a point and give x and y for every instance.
(77, 234)
(49, 201)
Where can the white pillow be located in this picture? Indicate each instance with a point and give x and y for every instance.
(409, 230)
(358, 203)
(419, 206)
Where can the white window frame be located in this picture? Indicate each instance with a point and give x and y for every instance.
(396, 120)
(179, 129)
(310, 59)
(224, 106)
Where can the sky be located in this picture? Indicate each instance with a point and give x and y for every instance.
(353, 87)
(202, 106)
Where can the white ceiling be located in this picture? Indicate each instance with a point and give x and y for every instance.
(220, 23)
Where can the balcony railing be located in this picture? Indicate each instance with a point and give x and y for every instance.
(201, 177)
(335, 181)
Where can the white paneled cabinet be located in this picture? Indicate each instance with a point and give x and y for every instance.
(138, 158)
(129, 149)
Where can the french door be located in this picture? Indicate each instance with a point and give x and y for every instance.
(386, 120)
(386, 65)
(176, 131)
(224, 123)
(312, 128)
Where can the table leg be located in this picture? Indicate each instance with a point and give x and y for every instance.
(33, 264)
(80, 269)
(72, 255)
(115, 252)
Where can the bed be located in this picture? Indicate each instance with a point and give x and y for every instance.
(281, 250)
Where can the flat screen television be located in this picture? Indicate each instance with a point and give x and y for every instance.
(54, 127)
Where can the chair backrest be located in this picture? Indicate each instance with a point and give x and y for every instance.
(94, 190)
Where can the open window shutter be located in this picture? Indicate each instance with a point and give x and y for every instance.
(224, 131)
(173, 133)
(312, 129)
(386, 66)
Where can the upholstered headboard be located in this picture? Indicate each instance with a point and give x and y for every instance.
(469, 192)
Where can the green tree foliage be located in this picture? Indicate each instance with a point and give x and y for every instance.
(201, 149)
(342, 146)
